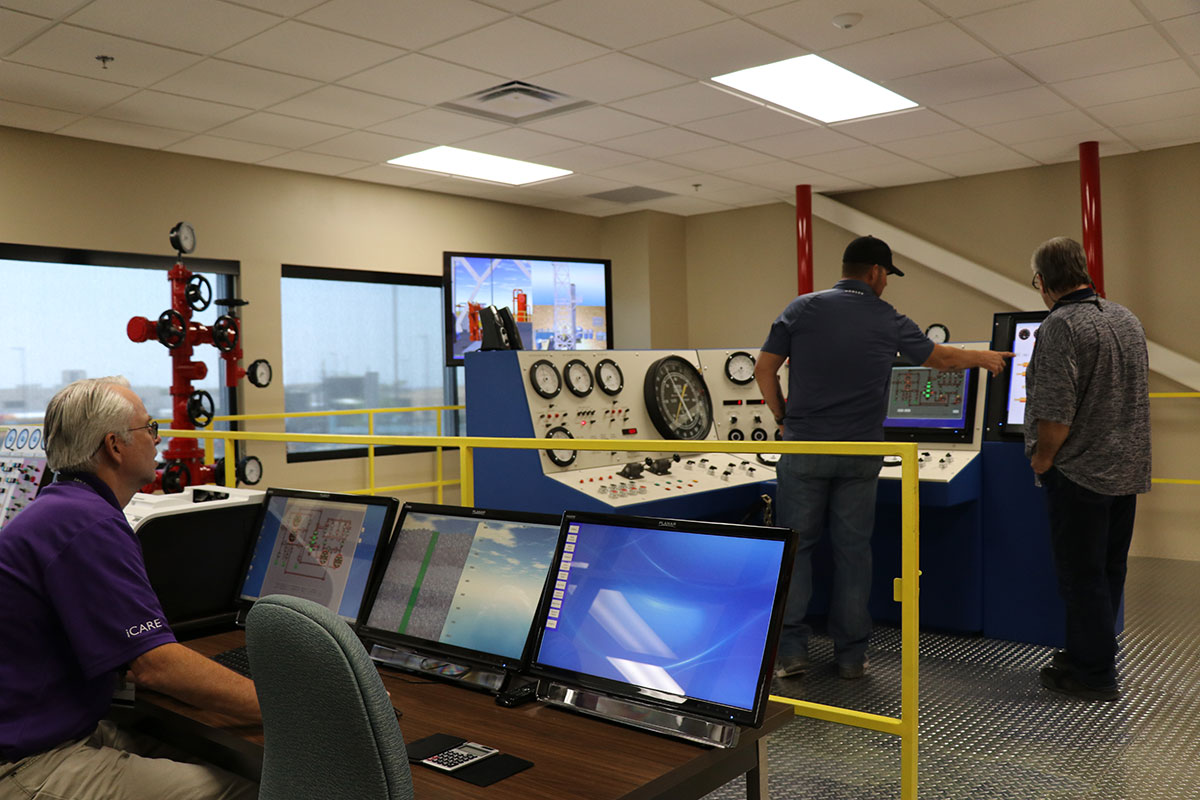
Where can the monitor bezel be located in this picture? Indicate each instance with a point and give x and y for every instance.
(696, 707)
(438, 650)
(1004, 329)
(391, 507)
(914, 433)
(448, 294)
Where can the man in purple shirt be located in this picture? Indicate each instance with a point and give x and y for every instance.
(78, 608)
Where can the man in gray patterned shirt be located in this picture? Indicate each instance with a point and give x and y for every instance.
(1087, 435)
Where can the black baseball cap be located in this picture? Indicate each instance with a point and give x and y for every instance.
(869, 250)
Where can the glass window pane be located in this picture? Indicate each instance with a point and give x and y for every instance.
(360, 344)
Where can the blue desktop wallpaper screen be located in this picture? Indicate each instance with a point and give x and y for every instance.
(677, 612)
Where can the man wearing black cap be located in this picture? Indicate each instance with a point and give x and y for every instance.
(841, 343)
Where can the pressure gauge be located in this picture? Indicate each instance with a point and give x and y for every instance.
(579, 378)
(544, 378)
(250, 470)
(938, 333)
(739, 367)
(259, 372)
(609, 376)
(560, 458)
(770, 459)
(183, 237)
(677, 399)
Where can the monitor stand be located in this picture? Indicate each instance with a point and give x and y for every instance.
(483, 678)
(640, 715)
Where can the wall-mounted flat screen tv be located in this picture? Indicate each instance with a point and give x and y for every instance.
(557, 303)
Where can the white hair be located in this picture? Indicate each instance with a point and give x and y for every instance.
(79, 417)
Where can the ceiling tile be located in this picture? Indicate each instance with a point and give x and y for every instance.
(391, 175)
(901, 125)
(642, 172)
(225, 149)
(516, 6)
(588, 158)
(612, 77)
(50, 9)
(953, 142)
(726, 156)
(1112, 87)
(148, 107)
(901, 173)
(581, 185)
(223, 82)
(993, 159)
(1109, 53)
(699, 184)
(516, 48)
(365, 146)
(683, 205)
(992, 76)
(410, 24)
(747, 6)
(961, 8)
(437, 126)
(1148, 109)
(584, 205)
(338, 105)
(277, 130)
(69, 49)
(199, 26)
(803, 143)
(310, 52)
(1062, 149)
(1169, 9)
(517, 143)
(717, 49)
(422, 79)
(1163, 133)
(313, 162)
(756, 123)
(809, 23)
(1186, 32)
(593, 124)
(1041, 23)
(1066, 123)
(661, 142)
(34, 118)
(782, 176)
(127, 133)
(1005, 107)
(910, 52)
(856, 158)
(286, 8)
(43, 87)
(686, 103)
(624, 23)
(16, 29)
(745, 195)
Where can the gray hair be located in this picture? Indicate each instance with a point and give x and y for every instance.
(79, 417)
(1062, 264)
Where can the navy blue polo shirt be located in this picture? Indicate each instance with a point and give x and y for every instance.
(841, 343)
(76, 606)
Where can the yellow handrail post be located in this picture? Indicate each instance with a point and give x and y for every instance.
(438, 454)
(371, 453)
(909, 621)
(466, 475)
(230, 460)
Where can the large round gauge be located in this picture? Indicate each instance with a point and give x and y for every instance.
(770, 459)
(938, 333)
(609, 376)
(579, 377)
(183, 237)
(561, 458)
(739, 367)
(677, 399)
(544, 378)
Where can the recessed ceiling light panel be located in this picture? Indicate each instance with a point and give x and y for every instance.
(816, 88)
(481, 166)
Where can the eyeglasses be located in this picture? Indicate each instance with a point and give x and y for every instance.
(1035, 283)
(152, 427)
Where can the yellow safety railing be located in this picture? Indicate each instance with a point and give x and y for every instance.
(905, 589)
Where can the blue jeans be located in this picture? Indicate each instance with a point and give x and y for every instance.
(1090, 535)
(839, 490)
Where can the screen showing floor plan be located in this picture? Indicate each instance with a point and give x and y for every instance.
(923, 397)
(318, 547)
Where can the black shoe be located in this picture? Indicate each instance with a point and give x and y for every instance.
(792, 666)
(1061, 661)
(1061, 681)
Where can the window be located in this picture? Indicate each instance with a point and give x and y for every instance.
(65, 316)
(357, 340)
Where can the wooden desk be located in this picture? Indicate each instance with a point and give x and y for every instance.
(574, 756)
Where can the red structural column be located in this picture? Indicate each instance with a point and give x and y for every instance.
(1089, 188)
(804, 245)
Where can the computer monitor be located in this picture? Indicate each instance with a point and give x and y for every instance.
(318, 546)
(676, 615)
(930, 405)
(1016, 332)
(462, 585)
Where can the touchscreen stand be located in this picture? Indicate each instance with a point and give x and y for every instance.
(639, 715)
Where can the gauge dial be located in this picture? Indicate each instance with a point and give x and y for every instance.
(560, 458)
(183, 237)
(770, 459)
(677, 399)
(739, 367)
(579, 378)
(545, 379)
(608, 374)
(250, 470)
(259, 372)
(938, 333)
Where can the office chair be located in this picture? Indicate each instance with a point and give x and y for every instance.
(329, 727)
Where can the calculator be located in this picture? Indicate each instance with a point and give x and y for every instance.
(460, 756)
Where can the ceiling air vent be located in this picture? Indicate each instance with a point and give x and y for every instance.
(631, 194)
(515, 102)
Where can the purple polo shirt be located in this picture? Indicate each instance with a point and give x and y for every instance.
(76, 606)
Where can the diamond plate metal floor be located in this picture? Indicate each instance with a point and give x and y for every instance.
(988, 729)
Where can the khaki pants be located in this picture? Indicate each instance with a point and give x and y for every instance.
(113, 764)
